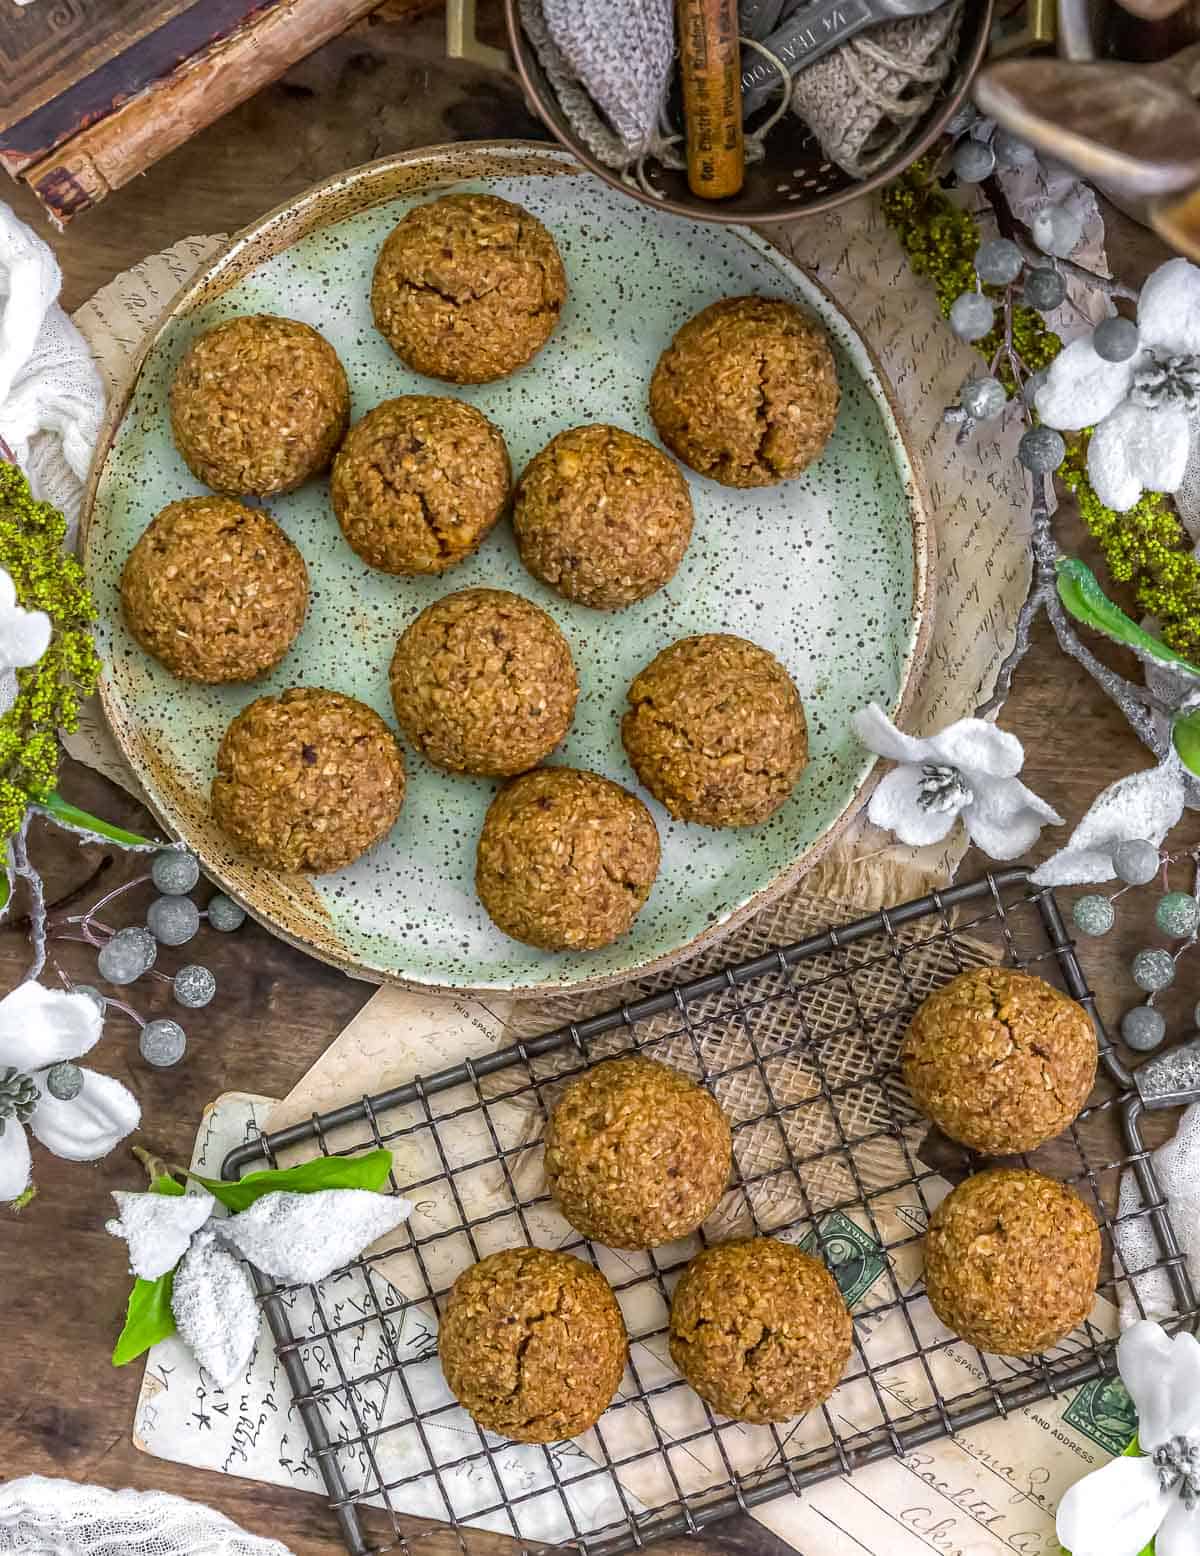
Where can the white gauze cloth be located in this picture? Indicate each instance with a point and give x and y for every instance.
(51, 397)
(43, 1516)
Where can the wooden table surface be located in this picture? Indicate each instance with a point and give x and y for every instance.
(381, 88)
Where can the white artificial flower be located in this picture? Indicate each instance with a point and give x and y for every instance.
(1145, 804)
(1119, 1509)
(24, 638)
(40, 1028)
(1143, 409)
(969, 770)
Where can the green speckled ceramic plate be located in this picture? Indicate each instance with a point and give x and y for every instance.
(829, 571)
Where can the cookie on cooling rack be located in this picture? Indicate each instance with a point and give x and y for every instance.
(533, 1344)
(1011, 1261)
(759, 1329)
(1000, 1060)
(636, 1153)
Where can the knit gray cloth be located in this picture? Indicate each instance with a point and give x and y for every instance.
(610, 66)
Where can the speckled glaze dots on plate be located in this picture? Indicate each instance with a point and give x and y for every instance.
(829, 571)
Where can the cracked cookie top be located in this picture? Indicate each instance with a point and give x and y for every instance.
(636, 1153)
(1011, 1261)
(759, 1329)
(566, 859)
(747, 392)
(532, 1344)
(419, 483)
(1000, 1060)
(483, 682)
(308, 780)
(468, 288)
(716, 731)
(258, 405)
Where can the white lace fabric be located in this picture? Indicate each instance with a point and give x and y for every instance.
(43, 1517)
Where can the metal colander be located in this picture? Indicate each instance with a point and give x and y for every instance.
(794, 179)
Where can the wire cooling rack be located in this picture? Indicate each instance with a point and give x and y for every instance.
(800, 1046)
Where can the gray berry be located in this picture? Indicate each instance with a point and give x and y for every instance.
(961, 120)
(1044, 289)
(1153, 970)
(1055, 230)
(983, 398)
(224, 914)
(162, 1043)
(194, 986)
(175, 871)
(64, 1081)
(1029, 390)
(1012, 152)
(94, 995)
(973, 160)
(1041, 450)
(998, 261)
(1143, 1028)
(1135, 861)
(129, 954)
(173, 920)
(1177, 914)
(971, 316)
(1093, 915)
(1115, 339)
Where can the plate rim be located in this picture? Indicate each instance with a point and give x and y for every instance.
(556, 161)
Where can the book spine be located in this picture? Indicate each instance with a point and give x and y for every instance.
(86, 168)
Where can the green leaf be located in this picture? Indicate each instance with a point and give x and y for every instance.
(1083, 597)
(324, 1172)
(71, 816)
(5, 891)
(148, 1315)
(1185, 733)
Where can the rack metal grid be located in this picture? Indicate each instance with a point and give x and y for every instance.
(830, 1009)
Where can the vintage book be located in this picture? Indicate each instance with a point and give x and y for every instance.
(93, 93)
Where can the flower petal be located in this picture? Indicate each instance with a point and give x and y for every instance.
(301, 1238)
(158, 1227)
(977, 746)
(1162, 1375)
(1081, 388)
(1169, 308)
(87, 1127)
(1136, 450)
(1005, 818)
(40, 1027)
(894, 807)
(15, 1165)
(215, 1308)
(879, 734)
(1144, 804)
(1179, 1532)
(24, 635)
(1114, 1511)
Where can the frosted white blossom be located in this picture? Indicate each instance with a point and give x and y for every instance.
(969, 769)
(39, 1028)
(215, 1308)
(1119, 1509)
(301, 1238)
(158, 1227)
(1144, 409)
(24, 638)
(1146, 805)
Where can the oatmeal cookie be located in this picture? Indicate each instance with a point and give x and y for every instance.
(716, 731)
(1011, 1261)
(468, 288)
(214, 590)
(1000, 1060)
(419, 483)
(566, 859)
(532, 1344)
(308, 780)
(636, 1153)
(759, 1329)
(747, 392)
(258, 405)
